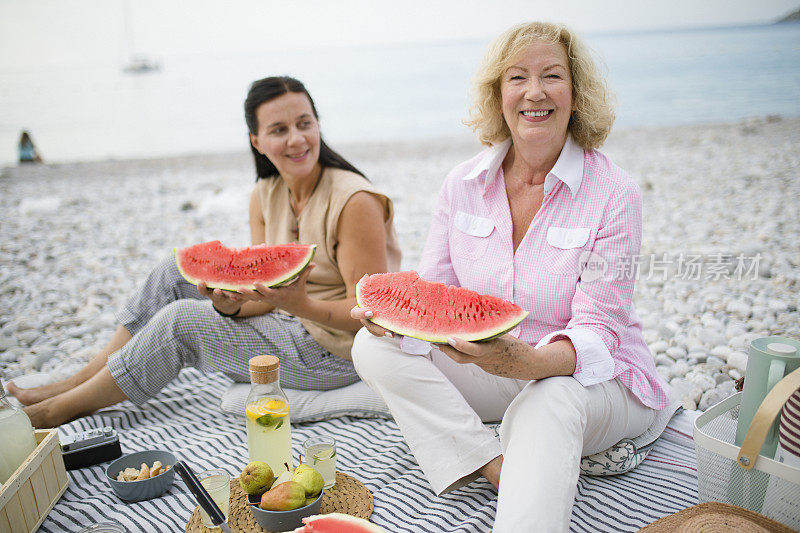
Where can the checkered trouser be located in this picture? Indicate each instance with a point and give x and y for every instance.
(174, 327)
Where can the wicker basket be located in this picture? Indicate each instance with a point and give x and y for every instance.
(35, 487)
(739, 476)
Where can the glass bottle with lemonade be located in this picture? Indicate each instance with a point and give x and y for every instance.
(269, 436)
(17, 437)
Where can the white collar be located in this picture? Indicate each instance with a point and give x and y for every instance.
(568, 167)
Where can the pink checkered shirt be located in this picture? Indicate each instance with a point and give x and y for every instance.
(571, 271)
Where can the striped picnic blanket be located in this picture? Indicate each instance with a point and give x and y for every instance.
(186, 419)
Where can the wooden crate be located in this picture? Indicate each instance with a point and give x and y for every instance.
(35, 487)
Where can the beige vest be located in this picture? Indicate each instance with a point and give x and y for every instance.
(317, 224)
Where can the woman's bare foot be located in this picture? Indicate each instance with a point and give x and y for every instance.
(38, 394)
(95, 393)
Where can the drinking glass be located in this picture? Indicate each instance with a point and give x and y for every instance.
(320, 454)
(218, 485)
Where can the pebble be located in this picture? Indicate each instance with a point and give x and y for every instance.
(659, 346)
(778, 306)
(738, 360)
(7, 342)
(676, 352)
(712, 397)
(715, 362)
(721, 378)
(665, 371)
(29, 336)
(739, 308)
(41, 358)
(704, 381)
(681, 367)
(669, 329)
(685, 389)
(721, 351)
(664, 359)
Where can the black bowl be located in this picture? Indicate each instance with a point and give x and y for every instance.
(282, 520)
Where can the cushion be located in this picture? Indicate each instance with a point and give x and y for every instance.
(356, 400)
(628, 453)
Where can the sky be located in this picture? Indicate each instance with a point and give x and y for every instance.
(38, 33)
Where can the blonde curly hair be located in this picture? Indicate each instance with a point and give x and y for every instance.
(593, 115)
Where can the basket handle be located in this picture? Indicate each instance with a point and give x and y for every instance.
(765, 415)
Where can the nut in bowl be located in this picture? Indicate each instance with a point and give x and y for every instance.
(154, 475)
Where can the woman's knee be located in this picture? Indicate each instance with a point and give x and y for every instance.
(183, 316)
(557, 397)
(374, 357)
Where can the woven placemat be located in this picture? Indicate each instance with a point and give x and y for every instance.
(348, 496)
(715, 517)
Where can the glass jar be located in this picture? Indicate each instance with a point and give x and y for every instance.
(269, 436)
(17, 437)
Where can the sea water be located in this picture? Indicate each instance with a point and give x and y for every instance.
(387, 92)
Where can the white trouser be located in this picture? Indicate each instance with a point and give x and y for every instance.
(547, 425)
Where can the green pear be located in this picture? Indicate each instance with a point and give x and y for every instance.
(256, 478)
(310, 479)
(283, 478)
(311, 500)
(285, 497)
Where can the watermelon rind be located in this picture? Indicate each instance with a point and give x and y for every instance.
(441, 337)
(345, 522)
(285, 278)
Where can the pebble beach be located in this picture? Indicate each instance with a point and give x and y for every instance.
(719, 266)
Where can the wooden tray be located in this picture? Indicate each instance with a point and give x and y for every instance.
(35, 487)
(348, 496)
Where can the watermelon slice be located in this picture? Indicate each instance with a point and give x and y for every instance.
(407, 304)
(337, 523)
(231, 268)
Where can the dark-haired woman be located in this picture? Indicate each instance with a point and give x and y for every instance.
(306, 193)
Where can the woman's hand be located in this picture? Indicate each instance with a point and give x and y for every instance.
(363, 314)
(510, 357)
(227, 302)
(292, 298)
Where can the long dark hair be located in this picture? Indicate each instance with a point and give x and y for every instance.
(268, 89)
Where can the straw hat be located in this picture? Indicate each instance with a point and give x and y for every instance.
(715, 517)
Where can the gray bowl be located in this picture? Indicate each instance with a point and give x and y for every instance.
(282, 520)
(145, 489)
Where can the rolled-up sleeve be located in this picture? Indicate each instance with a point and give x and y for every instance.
(602, 304)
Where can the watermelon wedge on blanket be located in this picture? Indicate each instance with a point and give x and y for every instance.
(407, 304)
(231, 268)
(337, 523)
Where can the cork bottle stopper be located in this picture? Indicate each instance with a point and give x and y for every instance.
(263, 369)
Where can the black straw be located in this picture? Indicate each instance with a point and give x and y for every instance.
(200, 493)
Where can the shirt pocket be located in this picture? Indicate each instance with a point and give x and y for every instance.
(564, 250)
(470, 237)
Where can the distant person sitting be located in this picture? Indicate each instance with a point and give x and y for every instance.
(27, 150)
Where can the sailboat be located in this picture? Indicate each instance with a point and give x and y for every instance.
(137, 63)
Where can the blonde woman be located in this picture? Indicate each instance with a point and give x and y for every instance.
(519, 221)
